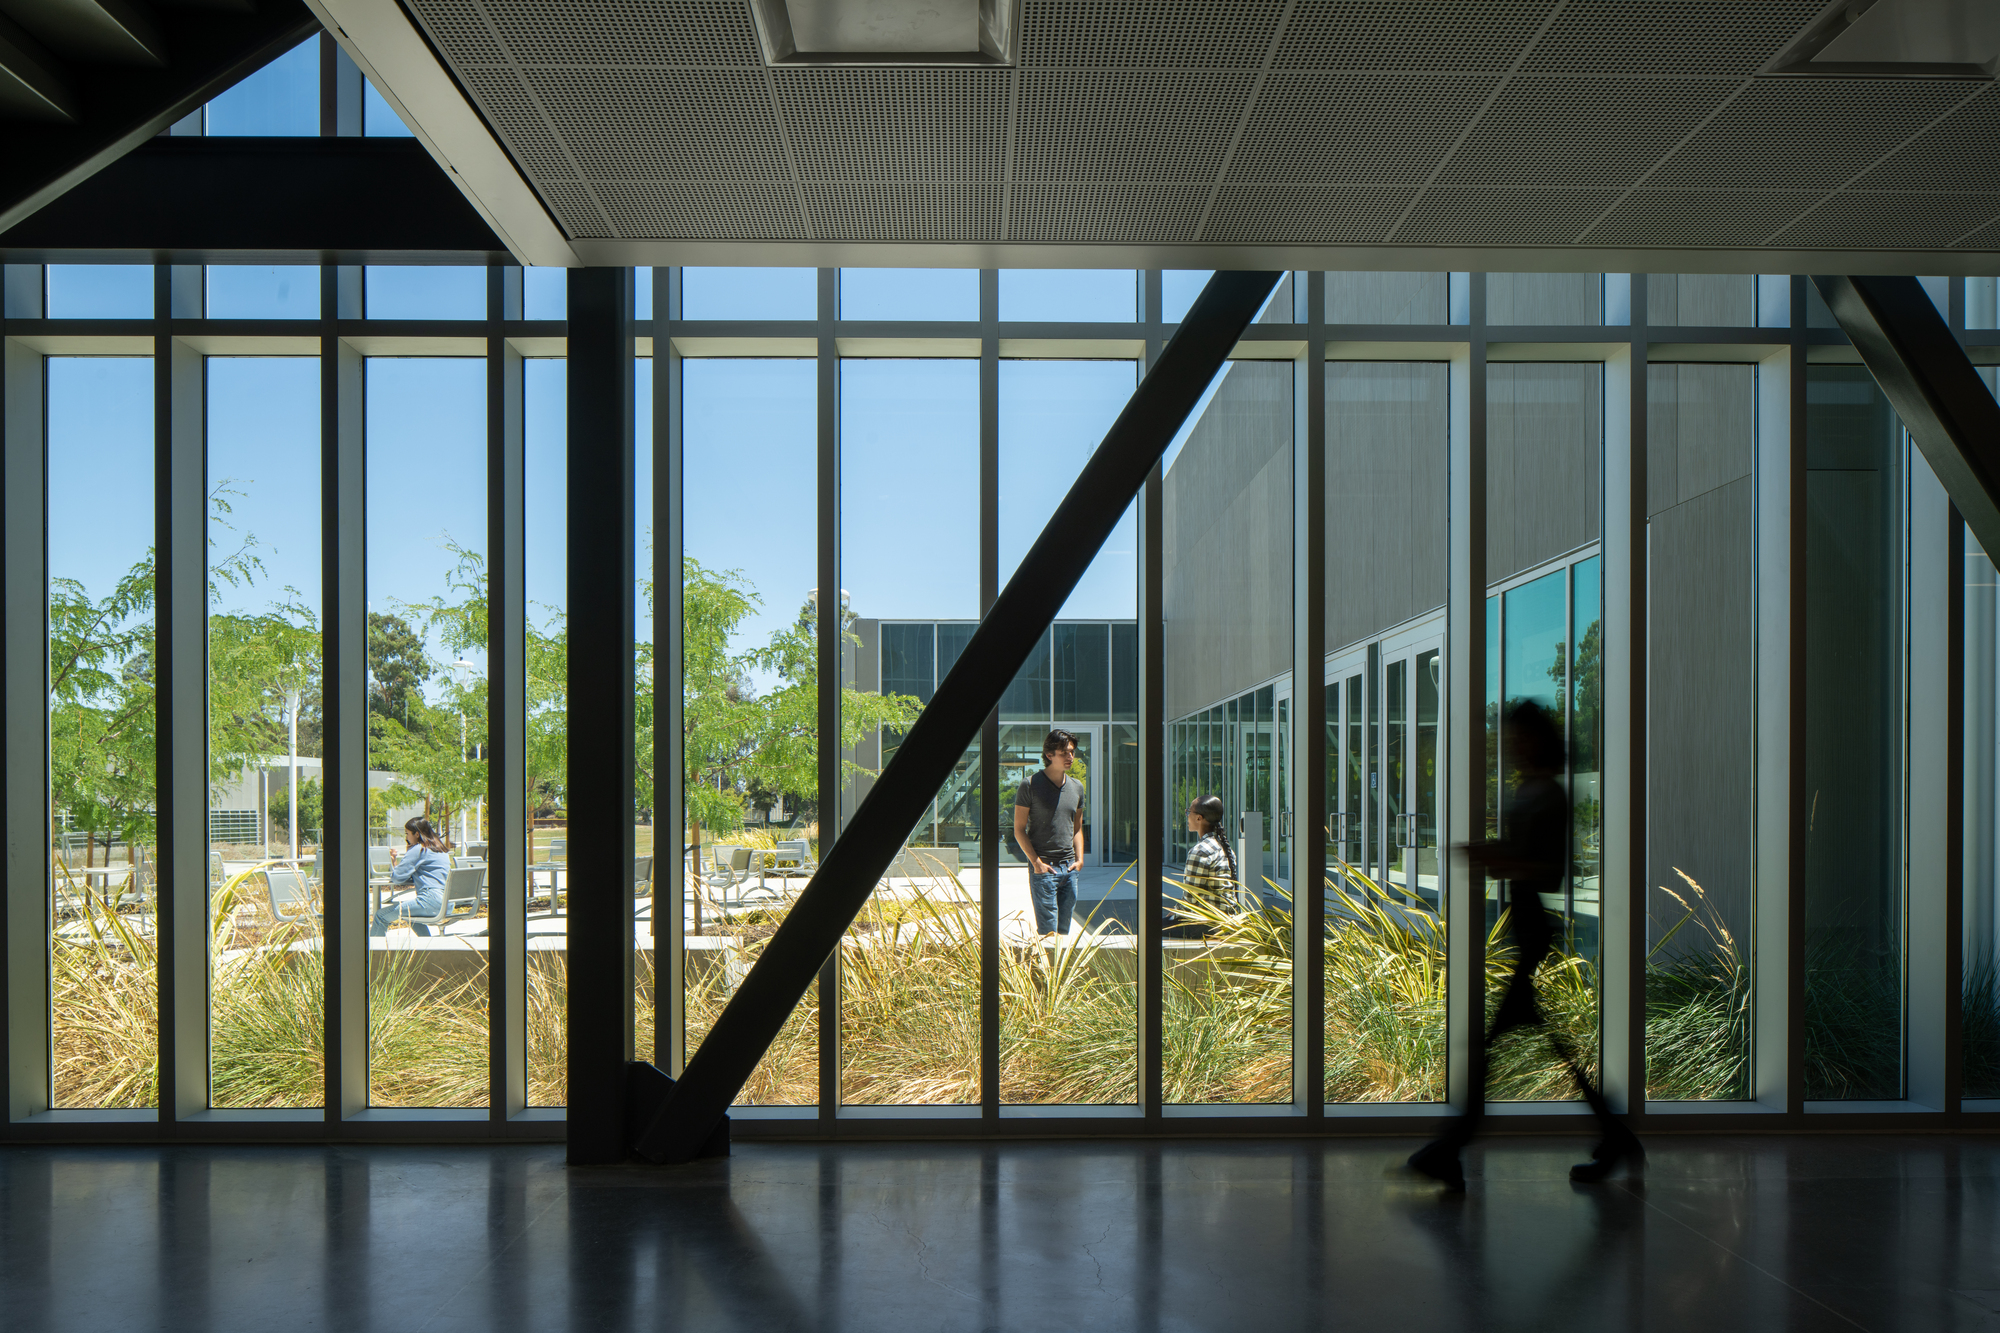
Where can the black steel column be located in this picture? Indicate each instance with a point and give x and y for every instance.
(601, 714)
(848, 874)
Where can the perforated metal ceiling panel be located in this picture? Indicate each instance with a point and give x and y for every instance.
(1401, 123)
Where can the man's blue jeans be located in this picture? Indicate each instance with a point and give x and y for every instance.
(1055, 898)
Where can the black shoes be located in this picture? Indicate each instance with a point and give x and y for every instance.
(1620, 1149)
(1440, 1162)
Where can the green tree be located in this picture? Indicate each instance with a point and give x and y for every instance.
(397, 666)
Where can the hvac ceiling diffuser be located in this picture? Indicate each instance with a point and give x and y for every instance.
(888, 32)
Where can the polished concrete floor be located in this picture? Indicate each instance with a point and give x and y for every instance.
(1752, 1233)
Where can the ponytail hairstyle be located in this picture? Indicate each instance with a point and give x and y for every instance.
(428, 835)
(1209, 808)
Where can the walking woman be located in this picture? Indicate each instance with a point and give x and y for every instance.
(1532, 857)
(1211, 867)
(424, 863)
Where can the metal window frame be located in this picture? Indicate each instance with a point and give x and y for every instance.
(341, 338)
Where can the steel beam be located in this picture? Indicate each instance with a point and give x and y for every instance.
(1909, 349)
(691, 1109)
(336, 200)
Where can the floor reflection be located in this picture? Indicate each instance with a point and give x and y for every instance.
(1724, 1234)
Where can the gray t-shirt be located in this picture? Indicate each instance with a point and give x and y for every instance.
(1051, 816)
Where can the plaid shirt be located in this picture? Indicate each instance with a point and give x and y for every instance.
(1207, 875)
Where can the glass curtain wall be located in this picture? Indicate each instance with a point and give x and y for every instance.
(1855, 905)
(1069, 1001)
(909, 548)
(1227, 586)
(1544, 447)
(1387, 587)
(1700, 797)
(102, 836)
(750, 691)
(265, 711)
(425, 472)
(545, 840)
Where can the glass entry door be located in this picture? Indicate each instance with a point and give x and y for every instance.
(1412, 686)
(1021, 758)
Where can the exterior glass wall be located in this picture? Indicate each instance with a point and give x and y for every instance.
(545, 842)
(914, 1028)
(1069, 1001)
(102, 836)
(750, 692)
(426, 701)
(909, 459)
(265, 709)
(1854, 910)
(1543, 468)
(1700, 781)
(1227, 589)
(1387, 585)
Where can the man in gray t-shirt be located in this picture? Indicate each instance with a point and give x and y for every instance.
(1048, 825)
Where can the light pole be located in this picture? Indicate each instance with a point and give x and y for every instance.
(292, 765)
(464, 671)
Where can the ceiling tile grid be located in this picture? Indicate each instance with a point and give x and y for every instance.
(905, 212)
(1612, 130)
(880, 125)
(670, 124)
(1303, 214)
(704, 212)
(1091, 213)
(1683, 38)
(1500, 217)
(1963, 149)
(1169, 34)
(1807, 132)
(1436, 35)
(1339, 128)
(1077, 126)
(1352, 122)
(1902, 219)
(1699, 217)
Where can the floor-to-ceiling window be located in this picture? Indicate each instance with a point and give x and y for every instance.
(426, 715)
(1227, 588)
(909, 499)
(750, 687)
(266, 705)
(102, 836)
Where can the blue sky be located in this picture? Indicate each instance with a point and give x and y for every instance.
(263, 445)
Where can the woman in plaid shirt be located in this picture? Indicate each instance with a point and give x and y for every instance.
(1211, 866)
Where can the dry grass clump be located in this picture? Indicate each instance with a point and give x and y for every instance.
(910, 1011)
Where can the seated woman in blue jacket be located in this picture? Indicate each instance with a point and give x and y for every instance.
(424, 862)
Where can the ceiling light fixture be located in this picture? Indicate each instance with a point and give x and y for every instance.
(1911, 39)
(887, 32)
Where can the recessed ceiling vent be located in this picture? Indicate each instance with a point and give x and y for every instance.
(1911, 39)
(888, 32)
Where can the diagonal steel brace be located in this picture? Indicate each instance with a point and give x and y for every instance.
(688, 1111)
(1931, 383)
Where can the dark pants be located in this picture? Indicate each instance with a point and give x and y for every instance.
(1534, 929)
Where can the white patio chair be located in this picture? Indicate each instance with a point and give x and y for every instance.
(464, 895)
(285, 891)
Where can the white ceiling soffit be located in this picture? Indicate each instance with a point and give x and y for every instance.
(1615, 135)
(398, 61)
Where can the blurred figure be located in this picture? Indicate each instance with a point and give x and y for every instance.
(1531, 858)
